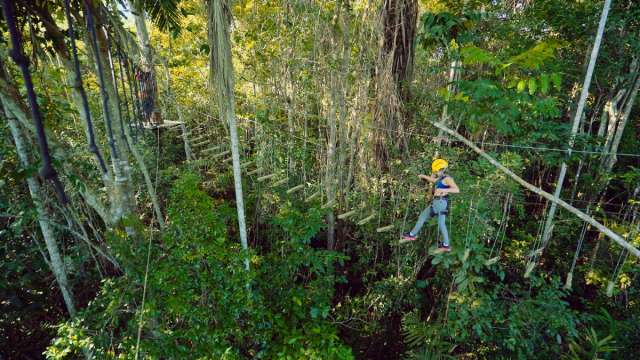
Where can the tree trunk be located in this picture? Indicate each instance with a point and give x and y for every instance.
(78, 96)
(221, 76)
(56, 263)
(621, 118)
(342, 93)
(126, 142)
(393, 74)
(548, 226)
(121, 205)
(399, 18)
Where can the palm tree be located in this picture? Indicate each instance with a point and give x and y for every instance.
(221, 78)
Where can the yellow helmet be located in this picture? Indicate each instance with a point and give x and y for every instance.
(439, 164)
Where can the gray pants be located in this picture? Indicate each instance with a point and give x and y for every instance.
(438, 207)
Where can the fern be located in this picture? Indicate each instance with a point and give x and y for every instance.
(590, 346)
(424, 339)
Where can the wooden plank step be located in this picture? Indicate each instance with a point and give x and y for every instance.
(348, 214)
(253, 172)
(295, 188)
(266, 177)
(366, 220)
(312, 196)
(385, 228)
(280, 182)
(166, 124)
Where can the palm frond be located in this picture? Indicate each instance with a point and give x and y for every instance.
(164, 13)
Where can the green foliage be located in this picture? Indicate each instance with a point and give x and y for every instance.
(589, 346)
(474, 55)
(165, 14)
(446, 28)
(535, 57)
(200, 302)
(495, 322)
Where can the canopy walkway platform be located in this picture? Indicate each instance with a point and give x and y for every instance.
(166, 124)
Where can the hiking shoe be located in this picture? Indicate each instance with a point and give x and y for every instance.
(408, 236)
(442, 249)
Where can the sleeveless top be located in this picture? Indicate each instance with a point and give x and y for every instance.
(440, 183)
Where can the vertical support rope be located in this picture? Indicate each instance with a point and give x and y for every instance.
(114, 79)
(93, 39)
(146, 271)
(93, 148)
(133, 89)
(128, 111)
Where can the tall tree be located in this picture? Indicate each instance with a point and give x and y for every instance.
(122, 205)
(55, 259)
(393, 74)
(399, 19)
(222, 79)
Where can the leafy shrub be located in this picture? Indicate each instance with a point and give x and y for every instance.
(200, 302)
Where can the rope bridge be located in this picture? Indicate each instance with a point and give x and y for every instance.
(350, 213)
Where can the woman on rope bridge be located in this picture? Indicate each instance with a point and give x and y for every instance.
(444, 185)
